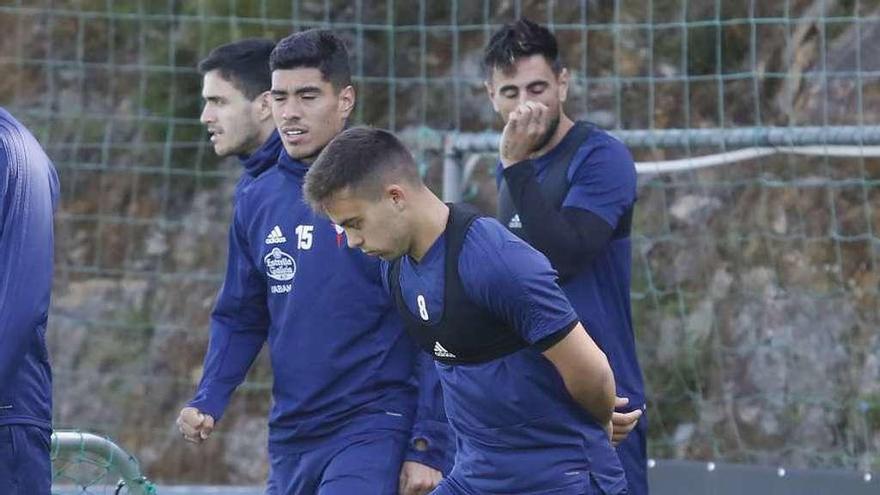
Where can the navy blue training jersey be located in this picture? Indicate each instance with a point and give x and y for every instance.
(28, 196)
(517, 428)
(341, 361)
(602, 179)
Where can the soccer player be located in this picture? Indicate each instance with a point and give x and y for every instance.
(527, 392)
(569, 189)
(347, 411)
(28, 197)
(237, 113)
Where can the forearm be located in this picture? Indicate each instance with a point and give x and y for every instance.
(586, 373)
(594, 392)
(232, 349)
(570, 238)
(239, 327)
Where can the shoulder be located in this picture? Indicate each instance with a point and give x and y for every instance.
(8, 126)
(485, 234)
(13, 138)
(265, 180)
(492, 254)
(602, 155)
(22, 158)
(252, 191)
(600, 140)
(486, 239)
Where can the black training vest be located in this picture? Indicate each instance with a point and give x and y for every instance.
(555, 185)
(465, 333)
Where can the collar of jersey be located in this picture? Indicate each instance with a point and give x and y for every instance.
(433, 252)
(266, 156)
(542, 162)
(291, 166)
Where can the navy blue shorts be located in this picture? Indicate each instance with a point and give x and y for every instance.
(25, 468)
(367, 463)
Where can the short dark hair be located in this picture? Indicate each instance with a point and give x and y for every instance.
(318, 49)
(243, 63)
(518, 39)
(360, 158)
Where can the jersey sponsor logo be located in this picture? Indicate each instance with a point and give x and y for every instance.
(280, 288)
(279, 265)
(514, 222)
(275, 236)
(440, 351)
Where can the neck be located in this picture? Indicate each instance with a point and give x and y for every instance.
(261, 139)
(266, 131)
(429, 224)
(565, 125)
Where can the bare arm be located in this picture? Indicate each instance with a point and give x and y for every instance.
(586, 373)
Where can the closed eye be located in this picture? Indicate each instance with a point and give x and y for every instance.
(510, 93)
(537, 88)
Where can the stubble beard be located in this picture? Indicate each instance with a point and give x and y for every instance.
(551, 130)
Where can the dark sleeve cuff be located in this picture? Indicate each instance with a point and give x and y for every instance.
(206, 405)
(554, 338)
(440, 453)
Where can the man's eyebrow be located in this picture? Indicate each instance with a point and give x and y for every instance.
(307, 89)
(297, 91)
(536, 84)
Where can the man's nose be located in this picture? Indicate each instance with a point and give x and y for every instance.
(354, 240)
(207, 116)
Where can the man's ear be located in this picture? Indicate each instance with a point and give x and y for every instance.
(563, 84)
(263, 106)
(490, 89)
(346, 100)
(396, 194)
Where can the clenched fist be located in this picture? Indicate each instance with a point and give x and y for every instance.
(195, 425)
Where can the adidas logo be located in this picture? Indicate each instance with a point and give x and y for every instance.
(275, 237)
(514, 222)
(439, 351)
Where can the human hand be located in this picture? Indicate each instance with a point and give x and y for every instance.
(417, 478)
(623, 423)
(195, 426)
(525, 128)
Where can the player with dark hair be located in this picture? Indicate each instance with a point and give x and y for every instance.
(568, 189)
(354, 412)
(28, 197)
(238, 116)
(528, 393)
(237, 111)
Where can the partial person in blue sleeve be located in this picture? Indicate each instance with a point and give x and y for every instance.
(28, 198)
(568, 189)
(354, 412)
(527, 392)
